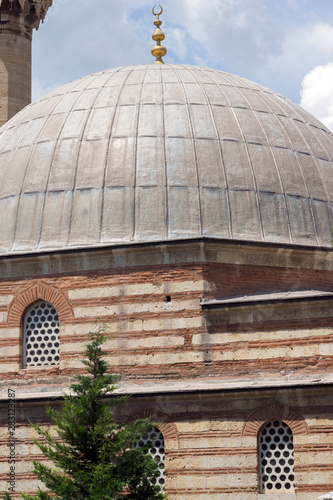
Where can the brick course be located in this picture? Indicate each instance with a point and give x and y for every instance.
(159, 333)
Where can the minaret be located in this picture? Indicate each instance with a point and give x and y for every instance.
(18, 18)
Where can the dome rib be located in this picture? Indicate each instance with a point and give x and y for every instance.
(283, 209)
(219, 200)
(195, 166)
(156, 153)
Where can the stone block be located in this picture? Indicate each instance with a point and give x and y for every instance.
(193, 426)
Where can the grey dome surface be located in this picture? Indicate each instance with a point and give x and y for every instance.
(158, 153)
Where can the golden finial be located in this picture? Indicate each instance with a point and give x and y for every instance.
(158, 51)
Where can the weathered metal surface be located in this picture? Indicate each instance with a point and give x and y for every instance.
(147, 153)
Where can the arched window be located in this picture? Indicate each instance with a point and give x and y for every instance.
(155, 437)
(41, 335)
(276, 458)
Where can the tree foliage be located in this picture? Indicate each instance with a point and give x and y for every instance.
(93, 455)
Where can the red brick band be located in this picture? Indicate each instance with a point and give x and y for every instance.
(39, 291)
(271, 411)
(168, 428)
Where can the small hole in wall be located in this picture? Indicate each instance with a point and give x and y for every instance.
(168, 298)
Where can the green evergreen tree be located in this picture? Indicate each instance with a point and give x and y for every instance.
(93, 455)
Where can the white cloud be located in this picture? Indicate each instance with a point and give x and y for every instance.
(273, 43)
(303, 46)
(79, 38)
(229, 33)
(317, 93)
(320, 36)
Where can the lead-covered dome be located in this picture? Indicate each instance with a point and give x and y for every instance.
(163, 152)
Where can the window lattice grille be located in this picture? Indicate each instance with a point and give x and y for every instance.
(276, 458)
(41, 336)
(156, 439)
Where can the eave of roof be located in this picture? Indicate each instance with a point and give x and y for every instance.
(187, 387)
(270, 297)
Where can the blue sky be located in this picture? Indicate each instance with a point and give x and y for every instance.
(286, 45)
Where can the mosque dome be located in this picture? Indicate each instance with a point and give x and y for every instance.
(153, 153)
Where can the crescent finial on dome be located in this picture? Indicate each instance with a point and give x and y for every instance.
(158, 51)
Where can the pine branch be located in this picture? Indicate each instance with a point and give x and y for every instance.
(92, 454)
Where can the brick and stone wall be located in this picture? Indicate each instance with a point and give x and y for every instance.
(211, 377)
(211, 441)
(158, 328)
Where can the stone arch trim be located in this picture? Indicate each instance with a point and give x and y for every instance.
(168, 428)
(277, 410)
(39, 291)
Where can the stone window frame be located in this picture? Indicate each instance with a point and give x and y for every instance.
(38, 290)
(278, 456)
(44, 347)
(167, 428)
(154, 452)
(278, 410)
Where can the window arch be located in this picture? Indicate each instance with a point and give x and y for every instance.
(41, 335)
(157, 451)
(276, 457)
